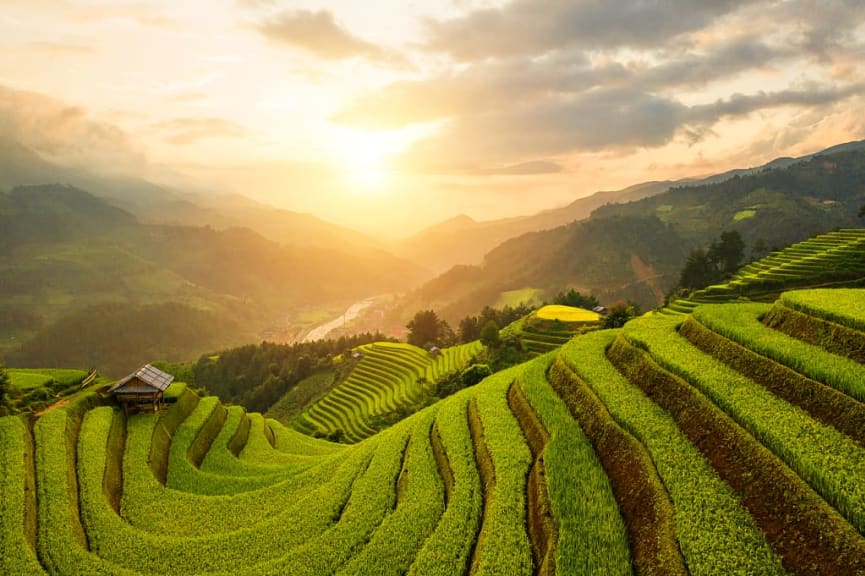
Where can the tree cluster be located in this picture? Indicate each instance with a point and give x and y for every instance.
(471, 327)
(575, 299)
(426, 329)
(720, 261)
(5, 385)
(256, 376)
(453, 383)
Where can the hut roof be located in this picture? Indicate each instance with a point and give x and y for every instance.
(149, 376)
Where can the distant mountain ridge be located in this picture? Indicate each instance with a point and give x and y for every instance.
(157, 204)
(636, 249)
(462, 240)
(65, 251)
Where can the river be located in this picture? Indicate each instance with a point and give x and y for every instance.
(322, 330)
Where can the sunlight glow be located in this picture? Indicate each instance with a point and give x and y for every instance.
(367, 158)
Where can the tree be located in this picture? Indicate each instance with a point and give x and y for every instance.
(862, 211)
(490, 334)
(619, 313)
(727, 253)
(575, 299)
(470, 329)
(427, 329)
(699, 271)
(759, 249)
(5, 385)
(474, 374)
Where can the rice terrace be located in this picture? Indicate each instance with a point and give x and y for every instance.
(432, 288)
(730, 440)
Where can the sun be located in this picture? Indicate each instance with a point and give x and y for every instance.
(365, 160)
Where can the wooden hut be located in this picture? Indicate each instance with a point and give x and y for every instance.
(142, 390)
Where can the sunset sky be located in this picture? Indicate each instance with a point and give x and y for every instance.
(387, 115)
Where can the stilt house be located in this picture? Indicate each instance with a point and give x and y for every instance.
(142, 390)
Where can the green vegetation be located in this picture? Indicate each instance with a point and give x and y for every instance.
(822, 456)
(515, 298)
(389, 382)
(575, 299)
(257, 376)
(30, 390)
(844, 306)
(426, 329)
(715, 532)
(17, 531)
(712, 444)
(79, 274)
(591, 536)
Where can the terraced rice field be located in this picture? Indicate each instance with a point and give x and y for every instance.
(833, 258)
(388, 378)
(550, 327)
(730, 441)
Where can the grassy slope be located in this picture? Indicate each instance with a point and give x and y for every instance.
(754, 482)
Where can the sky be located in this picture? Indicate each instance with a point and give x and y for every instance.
(389, 115)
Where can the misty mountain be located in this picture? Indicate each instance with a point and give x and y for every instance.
(635, 250)
(157, 204)
(462, 240)
(64, 251)
(222, 211)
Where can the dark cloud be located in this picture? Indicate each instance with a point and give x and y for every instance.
(490, 85)
(589, 76)
(613, 120)
(744, 104)
(725, 60)
(319, 33)
(596, 120)
(521, 27)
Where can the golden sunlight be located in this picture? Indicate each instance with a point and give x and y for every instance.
(364, 159)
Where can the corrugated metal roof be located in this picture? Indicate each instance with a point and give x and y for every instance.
(149, 375)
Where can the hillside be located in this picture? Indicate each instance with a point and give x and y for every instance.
(549, 328)
(153, 203)
(464, 241)
(390, 381)
(69, 257)
(637, 258)
(719, 445)
(778, 206)
(636, 250)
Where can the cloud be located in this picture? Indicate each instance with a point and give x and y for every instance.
(595, 120)
(618, 120)
(320, 34)
(530, 168)
(744, 104)
(491, 85)
(182, 131)
(521, 28)
(586, 76)
(65, 133)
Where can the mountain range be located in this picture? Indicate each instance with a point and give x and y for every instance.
(240, 270)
